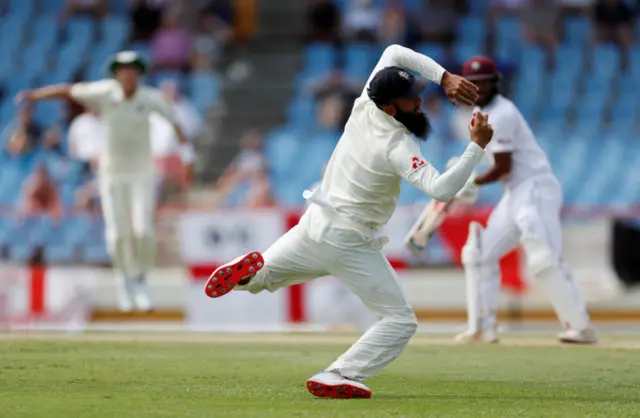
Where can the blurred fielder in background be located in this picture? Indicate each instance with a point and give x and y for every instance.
(358, 194)
(528, 214)
(126, 167)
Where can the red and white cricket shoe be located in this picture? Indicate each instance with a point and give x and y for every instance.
(226, 277)
(332, 385)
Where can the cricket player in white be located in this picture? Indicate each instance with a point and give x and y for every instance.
(337, 234)
(528, 214)
(125, 174)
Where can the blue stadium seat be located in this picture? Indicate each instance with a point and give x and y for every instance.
(576, 30)
(556, 111)
(80, 28)
(115, 30)
(70, 57)
(409, 194)
(509, 28)
(533, 58)
(569, 158)
(52, 6)
(625, 109)
(359, 60)
(204, 89)
(319, 58)
(302, 113)
(598, 89)
(41, 230)
(590, 112)
(634, 61)
(101, 53)
(431, 49)
(600, 181)
(45, 32)
(282, 148)
(36, 60)
(59, 254)
(570, 59)
(96, 254)
(490, 194)
(21, 253)
(76, 229)
(12, 30)
(507, 50)
(472, 29)
(463, 51)
(562, 87)
(5, 230)
(605, 61)
(19, 82)
(478, 7)
(142, 48)
(22, 8)
(530, 86)
(316, 151)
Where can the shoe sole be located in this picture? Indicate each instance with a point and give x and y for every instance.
(577, 342)
(342, 391)
(226, 277)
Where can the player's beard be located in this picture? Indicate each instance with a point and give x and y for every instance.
(416, 122)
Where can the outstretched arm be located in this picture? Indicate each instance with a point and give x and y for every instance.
(91, 94)
(399, 56)
(456, 87)
(406, 158)
(58, 91)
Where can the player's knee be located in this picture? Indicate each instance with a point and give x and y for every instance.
(540, 258)
(406, 323)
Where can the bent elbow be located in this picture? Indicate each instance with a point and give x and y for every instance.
(392, 50)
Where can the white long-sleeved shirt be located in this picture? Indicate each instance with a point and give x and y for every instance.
(512, 134)
(363, 176)
(127, 146)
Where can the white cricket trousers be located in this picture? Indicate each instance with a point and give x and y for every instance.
(128, 207)
(324, 243)
(528, 214)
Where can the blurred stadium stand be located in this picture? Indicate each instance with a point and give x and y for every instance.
(40, 48)
(579, 97)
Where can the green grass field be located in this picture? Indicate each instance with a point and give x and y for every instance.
(117, 375)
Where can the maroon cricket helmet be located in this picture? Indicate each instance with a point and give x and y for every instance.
(480, 68)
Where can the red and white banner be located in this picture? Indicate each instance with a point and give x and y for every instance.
(209, 239)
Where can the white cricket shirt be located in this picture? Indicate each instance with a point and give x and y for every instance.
(86, 136)
(127, 147)
(362, 179)
(511, 133)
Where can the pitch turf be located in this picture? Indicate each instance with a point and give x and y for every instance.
(104, 375)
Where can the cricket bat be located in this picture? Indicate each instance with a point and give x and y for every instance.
(430, 219)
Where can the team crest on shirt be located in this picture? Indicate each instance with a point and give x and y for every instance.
(416, 162)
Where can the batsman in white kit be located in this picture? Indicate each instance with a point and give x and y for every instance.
(528, 214)
(337, 234)
(126, 178)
